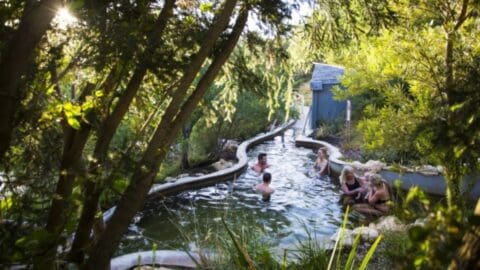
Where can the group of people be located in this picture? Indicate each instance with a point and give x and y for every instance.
(368, 194)
(264, 187)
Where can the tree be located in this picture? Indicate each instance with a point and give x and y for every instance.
(18, 51)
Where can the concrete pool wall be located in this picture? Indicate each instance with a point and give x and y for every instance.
(432, 184)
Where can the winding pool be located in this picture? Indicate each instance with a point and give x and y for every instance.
(301, 207)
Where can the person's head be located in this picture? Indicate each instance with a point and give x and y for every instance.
(368, 176)
(346, 174)
(322, 152)
(267, 178)
(376, 181)
(262, 158)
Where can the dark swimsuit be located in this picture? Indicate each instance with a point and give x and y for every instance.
(381, 201)
(353, 186)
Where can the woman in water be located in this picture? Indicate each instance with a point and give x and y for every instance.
(321, 164)
(377, 198)
(351, 184)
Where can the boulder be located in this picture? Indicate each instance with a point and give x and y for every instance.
(347, 237)
(390, 223)
(170, 179)
(222, 164)
(372, 165)
(229, 150)
(368, 234)
(427, 170)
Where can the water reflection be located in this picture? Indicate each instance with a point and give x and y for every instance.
(300, 204)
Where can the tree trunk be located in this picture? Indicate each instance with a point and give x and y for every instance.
(186, 131)
(74, 144)
(14, 62)
(144, 174)
(92, 188)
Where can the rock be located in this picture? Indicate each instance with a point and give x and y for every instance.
(390, 223)
(183, 175)
(347, 237)
(222, 164)
(229, 149)
(427, 170)
(367, 234)
(170, 179)
(371, 165)
(421, 222)
(231, 145)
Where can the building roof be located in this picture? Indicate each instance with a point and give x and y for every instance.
(325, 74)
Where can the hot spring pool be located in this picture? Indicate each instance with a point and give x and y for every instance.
(301, 206)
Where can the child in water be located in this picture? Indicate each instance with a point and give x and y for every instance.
(321, 163)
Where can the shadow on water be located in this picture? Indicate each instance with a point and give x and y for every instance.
(300, 203)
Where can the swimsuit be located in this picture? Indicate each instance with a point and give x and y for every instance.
(381, 201)
(353, 186)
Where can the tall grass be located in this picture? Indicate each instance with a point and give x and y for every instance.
(238, 247)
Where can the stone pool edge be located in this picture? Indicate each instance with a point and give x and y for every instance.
(432, 184)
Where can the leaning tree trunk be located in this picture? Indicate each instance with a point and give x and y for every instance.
(14, 62)
(142, 179)
(74, 142)
(92, 190)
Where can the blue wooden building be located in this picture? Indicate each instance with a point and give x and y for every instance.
(324, 108)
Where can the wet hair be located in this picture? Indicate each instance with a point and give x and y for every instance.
(377, 180)
(267, 177)
(343, 175)
(324, 151)
(261, 155)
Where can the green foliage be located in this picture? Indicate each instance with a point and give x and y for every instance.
(326, 129)
(393, 249)
(435, 243)
(248, 249)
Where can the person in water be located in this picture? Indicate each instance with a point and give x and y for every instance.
(321, 163)
(377, 198)
(261, 164)
(264, 187)
(351, 185)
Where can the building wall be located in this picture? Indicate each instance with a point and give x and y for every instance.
(324, 107)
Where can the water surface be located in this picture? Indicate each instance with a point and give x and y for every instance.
(301, 206)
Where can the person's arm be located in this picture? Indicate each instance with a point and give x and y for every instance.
(349, 192)
(374, 197)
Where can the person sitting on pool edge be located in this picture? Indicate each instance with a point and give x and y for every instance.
(264, 187)
(351, 185)
(261, 164)
(321, 166)
(377, 198)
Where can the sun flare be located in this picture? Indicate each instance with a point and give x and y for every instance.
(64, 18)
